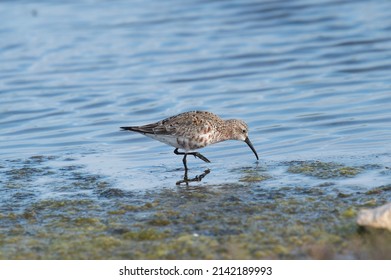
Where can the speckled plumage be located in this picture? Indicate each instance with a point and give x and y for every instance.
(194, 130)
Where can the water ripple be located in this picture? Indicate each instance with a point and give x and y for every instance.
(304, 74)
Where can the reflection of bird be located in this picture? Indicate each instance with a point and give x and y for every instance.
(194, 130)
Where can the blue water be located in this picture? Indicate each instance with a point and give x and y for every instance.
(311, 78)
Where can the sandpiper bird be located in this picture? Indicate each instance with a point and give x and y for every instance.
(194, 130)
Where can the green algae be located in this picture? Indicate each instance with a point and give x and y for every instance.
(159, 219)
(323, 170)
(349, 213)
(253, 175)
(253, 178)
(145, 235)
(24, 173)
(379, 190)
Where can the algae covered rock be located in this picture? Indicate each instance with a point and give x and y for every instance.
(323, 170)
(379, 217)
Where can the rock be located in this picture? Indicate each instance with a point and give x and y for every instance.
(379, 217)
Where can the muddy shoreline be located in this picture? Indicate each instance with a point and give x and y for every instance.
(52, 212)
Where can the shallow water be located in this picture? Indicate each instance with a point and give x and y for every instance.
(311, 78)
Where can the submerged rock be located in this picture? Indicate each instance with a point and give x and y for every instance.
(323, 170)
(379, 217)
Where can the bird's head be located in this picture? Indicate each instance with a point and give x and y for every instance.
(239, 131)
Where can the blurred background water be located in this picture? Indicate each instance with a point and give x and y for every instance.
(311, 78)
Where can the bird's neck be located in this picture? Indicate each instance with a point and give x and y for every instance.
(226, 130)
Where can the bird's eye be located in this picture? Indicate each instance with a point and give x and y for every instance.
(244, 131)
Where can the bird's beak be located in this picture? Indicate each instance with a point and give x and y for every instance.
(251, 147)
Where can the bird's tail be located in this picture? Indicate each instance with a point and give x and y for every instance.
(144, 129)
(139, 129)
(132, 128)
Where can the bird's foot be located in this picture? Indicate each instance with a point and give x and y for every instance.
(197, 178)
(196, 154)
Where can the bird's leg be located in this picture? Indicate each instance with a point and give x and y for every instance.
(185, 177)
(185, 164)
(196, 154)
(200, 177)
(197, 178)
(178, 153)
